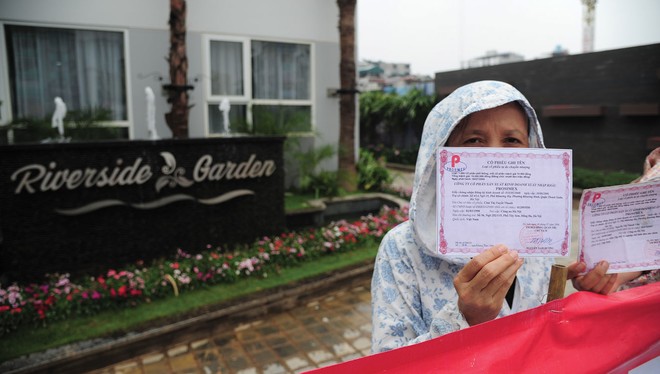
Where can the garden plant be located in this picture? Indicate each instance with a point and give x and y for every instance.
(60, 297)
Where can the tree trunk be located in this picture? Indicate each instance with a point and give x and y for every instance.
(347, 173)
(177, 118)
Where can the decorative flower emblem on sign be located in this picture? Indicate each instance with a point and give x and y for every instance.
(173, 176)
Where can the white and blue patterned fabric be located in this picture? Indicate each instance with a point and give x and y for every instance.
(413, 296)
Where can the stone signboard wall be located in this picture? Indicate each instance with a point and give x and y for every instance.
(86, 207)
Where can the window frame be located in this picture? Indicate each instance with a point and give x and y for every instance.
(5, 88)
(247, 98)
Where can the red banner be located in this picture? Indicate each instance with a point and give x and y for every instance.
(584, 332)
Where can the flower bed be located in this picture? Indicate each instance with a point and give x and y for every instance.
(60, 297)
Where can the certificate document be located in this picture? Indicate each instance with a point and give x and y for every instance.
(621, 224)
(519, 197)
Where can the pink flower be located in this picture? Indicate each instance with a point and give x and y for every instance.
(96, 295)
(246, 264)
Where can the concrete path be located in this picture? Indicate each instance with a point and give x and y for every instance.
(332, 328)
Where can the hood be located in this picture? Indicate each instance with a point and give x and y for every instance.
(440, 122)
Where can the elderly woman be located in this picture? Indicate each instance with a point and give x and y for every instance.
(418, 293)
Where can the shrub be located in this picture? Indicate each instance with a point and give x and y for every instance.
(586, 178)
(324, 183)
(372, 173)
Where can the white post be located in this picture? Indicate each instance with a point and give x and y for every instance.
(58, 116)
(151, 113)
(225, 107)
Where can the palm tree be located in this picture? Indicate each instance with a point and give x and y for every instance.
(347, 173)
(177, 118)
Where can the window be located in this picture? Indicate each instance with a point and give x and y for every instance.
(268, 86)
(83, 67)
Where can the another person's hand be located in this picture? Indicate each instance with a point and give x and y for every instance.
(483, 282)
(596, 280)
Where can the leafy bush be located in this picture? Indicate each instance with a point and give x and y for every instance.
(587, 178)
(317, 182)
(324, 183)
(396, 113)
(372, 173)
(394, 154)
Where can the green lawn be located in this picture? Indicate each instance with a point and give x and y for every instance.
(115, 323)
(296, 201)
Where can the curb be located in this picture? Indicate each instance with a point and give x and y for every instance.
(268, 301)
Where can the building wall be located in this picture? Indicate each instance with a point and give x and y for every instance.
(147, 36)
(583, 102)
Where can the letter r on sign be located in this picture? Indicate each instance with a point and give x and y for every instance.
(596, 197)
(455, 159)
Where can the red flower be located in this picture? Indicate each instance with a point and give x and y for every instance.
(112, 292)
(174, 265)
(42, 315)
(16, 310)
(69, 297)
(136, 292)
(50, 300)
(4, 308)
(122, 290)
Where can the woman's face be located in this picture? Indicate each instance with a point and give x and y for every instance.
(502, 126)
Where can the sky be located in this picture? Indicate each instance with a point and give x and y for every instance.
(436, 35)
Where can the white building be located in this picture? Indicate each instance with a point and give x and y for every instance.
(494, 58)
(391, 77)
(273, 60)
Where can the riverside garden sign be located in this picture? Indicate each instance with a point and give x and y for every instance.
(89, 206)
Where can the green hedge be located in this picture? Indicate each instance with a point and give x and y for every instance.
(586, 178)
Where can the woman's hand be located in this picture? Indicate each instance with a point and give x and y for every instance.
(596, 280)
(483, 283)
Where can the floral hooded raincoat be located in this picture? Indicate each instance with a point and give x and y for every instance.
(413, 296)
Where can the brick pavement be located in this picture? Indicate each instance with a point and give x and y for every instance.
(333, 328)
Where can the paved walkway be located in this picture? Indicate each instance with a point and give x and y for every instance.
(332, 328)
